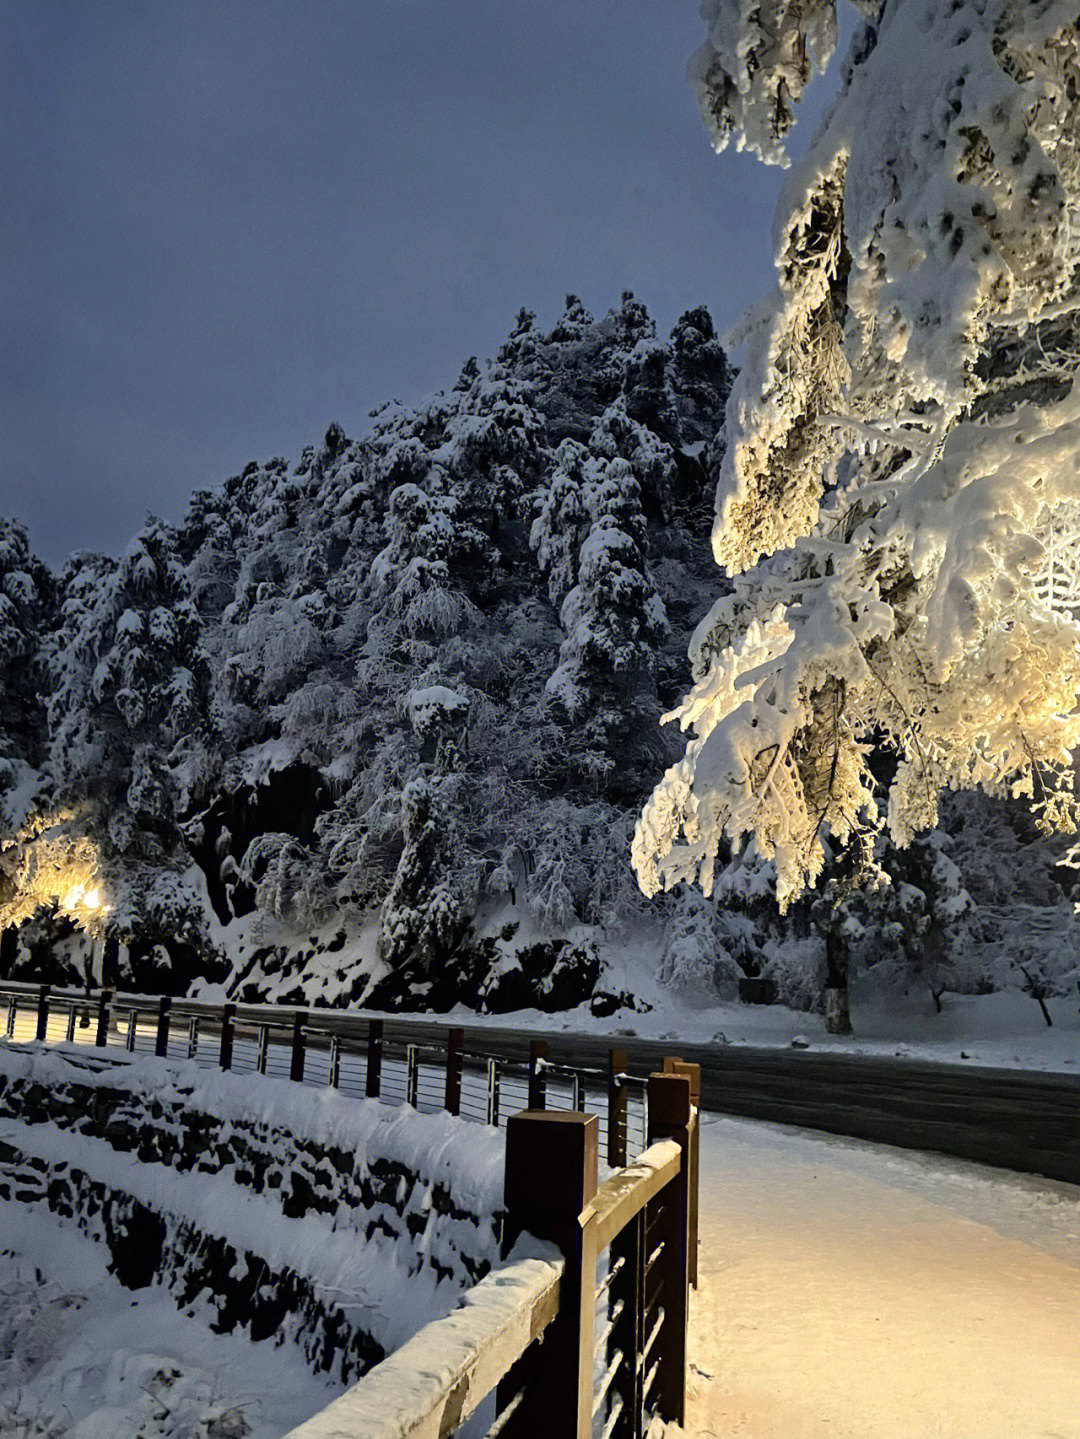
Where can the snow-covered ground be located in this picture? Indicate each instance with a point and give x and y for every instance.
(854, 1291)
(1004, 1029)
(848, 1291)
(83, 1358)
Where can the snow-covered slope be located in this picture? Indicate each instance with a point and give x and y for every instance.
(81, 1357)
(405, 685)
(376, 728)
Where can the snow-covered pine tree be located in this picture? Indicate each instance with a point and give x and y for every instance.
(129, 687)
(909, 929)
(579, 366)
(421, 917)
(901, 469)
(279, 558)
(26, 601)
(562, 519)
(615, 622)
(699, 375)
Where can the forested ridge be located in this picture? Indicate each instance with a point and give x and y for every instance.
(376, 727)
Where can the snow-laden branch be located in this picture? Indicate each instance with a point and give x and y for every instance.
(899, 502)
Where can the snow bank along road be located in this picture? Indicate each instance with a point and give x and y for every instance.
(853, 1291)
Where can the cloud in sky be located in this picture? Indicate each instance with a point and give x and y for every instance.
(225, 226)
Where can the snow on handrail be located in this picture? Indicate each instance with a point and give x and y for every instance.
(438, 1378)
(626, 1193)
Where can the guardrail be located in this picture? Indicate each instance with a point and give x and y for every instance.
(350, 1052)
(1017, 1119)
(609, 1300)
(586, 1336)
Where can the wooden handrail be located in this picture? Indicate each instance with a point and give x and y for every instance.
(425, 1389)
(641, 1216)
(644, 1216)
(625, 1194)
(206, 1031)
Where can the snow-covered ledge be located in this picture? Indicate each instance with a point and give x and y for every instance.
(339, 1223)
(428, 1386)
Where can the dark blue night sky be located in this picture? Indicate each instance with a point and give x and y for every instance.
(226, 224)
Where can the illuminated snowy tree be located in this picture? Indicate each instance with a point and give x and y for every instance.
(898, 507)
(52, 863)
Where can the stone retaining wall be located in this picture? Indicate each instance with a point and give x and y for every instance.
(336, 1224)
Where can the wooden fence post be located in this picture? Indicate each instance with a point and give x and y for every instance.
(626, 1259)
(296, 1061)
(693, 1073)
(42, 1031)
(537, 1078)
(161, 1043)
(618, 1095)
(551, 1163)
(671, 1116)
(262, 1047)
(228, 1024)
(452, 1101)
(101, 1038)
(374, 1058)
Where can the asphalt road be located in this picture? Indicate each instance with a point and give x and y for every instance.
(1013, 1118)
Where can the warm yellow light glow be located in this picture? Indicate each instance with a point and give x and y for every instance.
(50, 862)
(83, 903)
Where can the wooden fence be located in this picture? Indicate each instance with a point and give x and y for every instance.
(345, 1051)
(587, 1337)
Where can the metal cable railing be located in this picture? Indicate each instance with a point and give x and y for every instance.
(348, 1052)
(635, 1230)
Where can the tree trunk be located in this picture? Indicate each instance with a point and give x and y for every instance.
(110, 962)
(9, 949)
(837, 1004)
(837, 1010)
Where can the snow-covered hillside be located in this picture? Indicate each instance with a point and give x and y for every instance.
(375, 728)
(407, 684)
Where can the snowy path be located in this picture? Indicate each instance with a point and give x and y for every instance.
(853, 1291)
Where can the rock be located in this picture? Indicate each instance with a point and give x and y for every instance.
(229, 1424)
